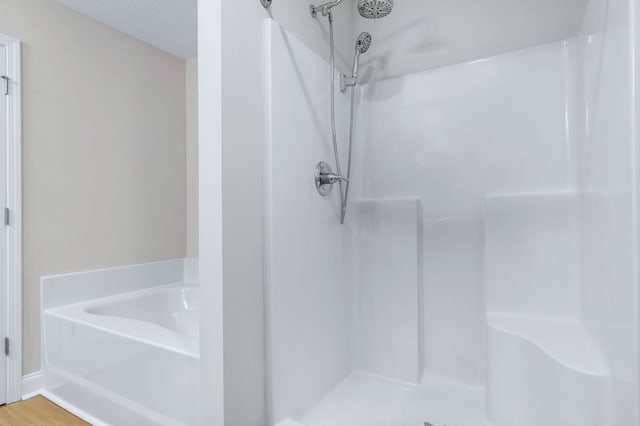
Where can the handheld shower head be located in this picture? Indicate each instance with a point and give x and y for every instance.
(363, 43)
(374, 9)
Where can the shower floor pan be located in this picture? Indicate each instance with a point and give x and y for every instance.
(364, 399)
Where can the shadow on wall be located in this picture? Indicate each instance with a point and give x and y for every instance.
(423, 42)
(300, 77)
(376, 92)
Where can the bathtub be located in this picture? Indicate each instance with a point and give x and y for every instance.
(126, 359)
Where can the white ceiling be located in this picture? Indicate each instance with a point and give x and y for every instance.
(170, 25)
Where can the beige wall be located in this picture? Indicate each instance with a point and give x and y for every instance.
(242, 74)
(104, 152)
(191, 93)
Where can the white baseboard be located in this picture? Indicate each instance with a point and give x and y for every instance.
(32, 385)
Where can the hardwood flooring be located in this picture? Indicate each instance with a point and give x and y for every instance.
(37, 411)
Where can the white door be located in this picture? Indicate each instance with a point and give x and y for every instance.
(3, 229)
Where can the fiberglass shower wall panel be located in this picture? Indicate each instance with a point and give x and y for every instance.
(608, 184)
(449, 136)
(308, 275)
(388, 261)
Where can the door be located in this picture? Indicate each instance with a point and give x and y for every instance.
(3, 231)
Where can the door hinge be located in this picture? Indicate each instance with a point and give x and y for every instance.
(6, 83)
(6, 346)
(6, 216)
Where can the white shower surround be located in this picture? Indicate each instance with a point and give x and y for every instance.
(449, 137)
(544, 138)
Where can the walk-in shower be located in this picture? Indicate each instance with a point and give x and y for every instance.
(486, 274)
(324, 176)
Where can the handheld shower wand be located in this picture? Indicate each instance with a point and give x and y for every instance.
(363, 42)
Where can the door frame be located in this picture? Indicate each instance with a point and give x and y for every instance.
(13, 173)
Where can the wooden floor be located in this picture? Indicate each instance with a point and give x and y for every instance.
(37, 411)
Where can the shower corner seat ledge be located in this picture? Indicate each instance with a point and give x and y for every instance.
(544, 371)
(565, 341)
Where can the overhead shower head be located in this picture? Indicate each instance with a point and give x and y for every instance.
(374, 9)
(363, 43)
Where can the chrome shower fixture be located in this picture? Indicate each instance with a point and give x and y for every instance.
(370, 9)
(363, 43)
(324, 8)
(325, 178)
(374, 9)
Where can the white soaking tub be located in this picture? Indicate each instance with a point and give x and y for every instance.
(126, 359)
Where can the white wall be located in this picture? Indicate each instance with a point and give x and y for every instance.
(191, 109)
(423, 34)
(449, 137)
(103, 149)
(242, 185)
(210, 249)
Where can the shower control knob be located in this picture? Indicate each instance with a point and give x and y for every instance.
(330, 178)
(325, 178)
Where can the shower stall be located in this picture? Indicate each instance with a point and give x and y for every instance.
(486, 272)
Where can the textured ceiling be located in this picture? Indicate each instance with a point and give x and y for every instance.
(167, 24)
